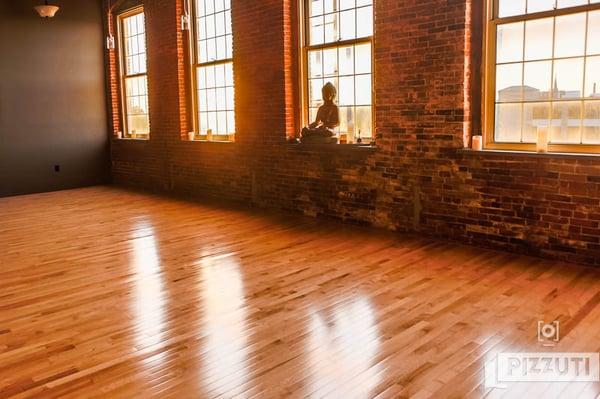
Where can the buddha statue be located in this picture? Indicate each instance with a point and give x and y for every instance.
(328, 118)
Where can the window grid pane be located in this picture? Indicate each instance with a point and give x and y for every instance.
(216, 100)
(348, 68)
(547, 76)
(214, 75)
(335, 20)
(135, 82)
(134, 40)
(512, 8)
(213, 31)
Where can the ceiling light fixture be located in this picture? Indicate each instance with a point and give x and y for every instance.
(46, 10)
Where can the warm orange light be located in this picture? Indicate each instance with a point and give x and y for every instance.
(46, 10)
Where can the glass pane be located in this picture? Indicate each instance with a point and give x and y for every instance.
(331, 27)
(211, 50)
(201, 78)
(203, 117)
(210, 6)
(510, 42)
(364, 16)
(364, 123)
(536, 116)
(221, 99)
(230, 98)
(221, 48)
(138, 124)
(221, 123)
(568, 79)
(539, 5)
(230, 122)
(212, 122)
(570, 35)
(229, 40)
(316, 30)
(347, 25)
(592, 77)
(220, 75)
(363, 90)
(508, 123)
(507, 8)
(363, 58)
(210, 26)
(347, 124)
(509, 82)
(346, 57)
(202, 101)
(314, 94)
(346, 91)
(211, 100)
(229, 74)
(346, 4)
(330, 67)
(570, 3)
(538, 77)
(316, 7)
(591, 123)
(566, 122)
(136, 104)
(315, 64)
(538, 39)
(593, 44)
(330, 6)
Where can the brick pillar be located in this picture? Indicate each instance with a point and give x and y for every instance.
(262, 70)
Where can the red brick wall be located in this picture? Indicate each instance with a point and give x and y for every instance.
(418, 179)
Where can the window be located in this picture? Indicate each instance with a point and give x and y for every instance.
(134, 82)
(543, 74)
(337, 49)
(213, 71)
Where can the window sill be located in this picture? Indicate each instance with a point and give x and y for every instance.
(130, 139)
(332, 147)
(530, 153)
(209, 141)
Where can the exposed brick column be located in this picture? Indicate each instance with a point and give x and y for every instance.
(262, 70)
(165, 69)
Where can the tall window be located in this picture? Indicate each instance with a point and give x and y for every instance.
(134, 82)
(213, 71)
(338, 46)
(543, 74)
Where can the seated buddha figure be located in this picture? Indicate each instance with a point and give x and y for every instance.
(328, 118)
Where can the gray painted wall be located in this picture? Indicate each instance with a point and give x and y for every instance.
(52, 97)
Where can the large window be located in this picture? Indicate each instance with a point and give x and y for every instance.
(134, 82)
(543, 74)
(213, 71)
(337, 49)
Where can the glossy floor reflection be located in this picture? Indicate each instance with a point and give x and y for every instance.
(110, 293)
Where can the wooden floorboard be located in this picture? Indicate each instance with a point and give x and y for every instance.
(106, 292)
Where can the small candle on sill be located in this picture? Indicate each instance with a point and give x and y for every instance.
(542, 140)
(119, 135)
(477, 143)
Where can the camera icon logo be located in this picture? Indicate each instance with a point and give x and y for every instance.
(548, 333)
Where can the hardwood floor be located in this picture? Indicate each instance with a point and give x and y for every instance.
(111, 293)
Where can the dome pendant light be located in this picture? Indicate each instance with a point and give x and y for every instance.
(46, 10)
